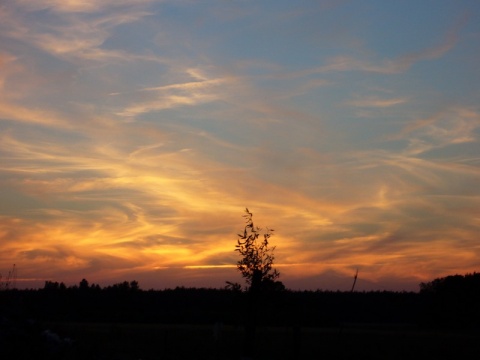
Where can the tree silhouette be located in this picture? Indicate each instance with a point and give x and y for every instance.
(83, 285)
(454, 285)
(256, 263)
(256, 266)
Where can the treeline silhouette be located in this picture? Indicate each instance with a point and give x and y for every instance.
(446, 302)
(452, 301)
(123, 321)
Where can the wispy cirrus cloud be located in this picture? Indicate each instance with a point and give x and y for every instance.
(376, 102)
(446, 128)
(346, 63)
(400, 64)
(74, 38)
(174, 95)
(77, 6)
(38, 116)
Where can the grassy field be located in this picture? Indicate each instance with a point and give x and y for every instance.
(153, 341)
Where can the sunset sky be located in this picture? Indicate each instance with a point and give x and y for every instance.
(135, 132)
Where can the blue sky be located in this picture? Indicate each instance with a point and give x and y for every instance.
(134, 133)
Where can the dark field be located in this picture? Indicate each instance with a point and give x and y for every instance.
(155, 341)
(197, 342)
(104, 324)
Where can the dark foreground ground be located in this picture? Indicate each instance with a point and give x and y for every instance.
(155, 341)
(131, 324)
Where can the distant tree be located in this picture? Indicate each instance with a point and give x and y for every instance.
(454, 285)
(95, 287)
(134, 285)
(257, 257)
(83, 285)
(453, 300)
(125, 286)
(233, 286)
(54, 286)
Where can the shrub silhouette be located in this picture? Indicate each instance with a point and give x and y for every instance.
(256, 267)
(257, 257)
